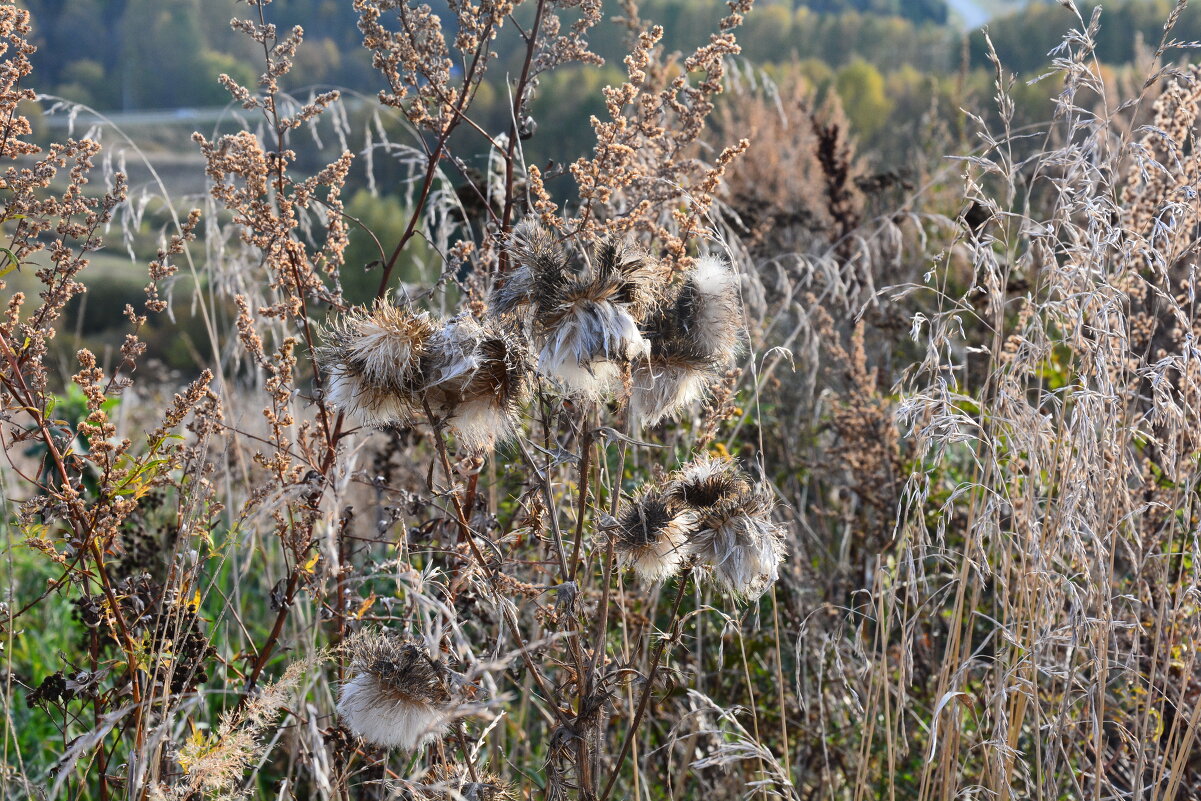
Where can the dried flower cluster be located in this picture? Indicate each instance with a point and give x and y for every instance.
(709, 511)
(594, 327)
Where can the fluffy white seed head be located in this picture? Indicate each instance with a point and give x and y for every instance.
(652, 535)
(744, 553)
(381, 718)
(397, 695)
(714, 310)
(585, 347)
(662, 389)
(735, 537)
(373, 358)
(477, 380)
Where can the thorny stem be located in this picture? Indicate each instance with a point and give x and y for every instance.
(644, 698)
(586, 435)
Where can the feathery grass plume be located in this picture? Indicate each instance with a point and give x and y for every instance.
(651, 536)
(734, 534)
(398, 695)
(215, 764)
(477, 376)
(372, 359)
(692, 340)
(584, 319)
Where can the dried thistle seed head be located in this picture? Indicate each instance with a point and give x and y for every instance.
(662, 387)
(744, 553)
(708, 311)
(675, 373)
(651, 536)
(540, 269)
(478, 379)
(693, 337)
(398, 696)
(628, 274)
(736, 537)
(706, 483)
(450, 782)
(583, 318)
(585, 344)
(372, 361)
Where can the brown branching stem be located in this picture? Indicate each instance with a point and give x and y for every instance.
(644, 698)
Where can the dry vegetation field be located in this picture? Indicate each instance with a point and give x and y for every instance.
(738, 471)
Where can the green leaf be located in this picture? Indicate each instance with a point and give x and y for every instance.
(10, 262)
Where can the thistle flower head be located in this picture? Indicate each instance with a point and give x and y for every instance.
(651, 535)
(744, 548)
(584, 317)
(372, 358)
(477, 377)
(448, 782)
(692, 339)
(734, 534)
(398, 696)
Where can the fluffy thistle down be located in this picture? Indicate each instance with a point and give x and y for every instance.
(651, 536)
(734, 534)
(384, 364)
(372, 358)
(476, 379)
(584, 318)
(397, 696)
(692, 340)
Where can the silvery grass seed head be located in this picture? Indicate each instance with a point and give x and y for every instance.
(398, 696)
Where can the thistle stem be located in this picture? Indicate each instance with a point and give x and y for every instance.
(644, 698)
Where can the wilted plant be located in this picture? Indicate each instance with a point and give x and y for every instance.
(318, 523)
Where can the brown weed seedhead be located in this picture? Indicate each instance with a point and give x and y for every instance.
(398, 696)
(373, 361)
(693, 340)
(651, 535)
(584, 320)
(734, 535)
(451, 782)
(477, 377)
